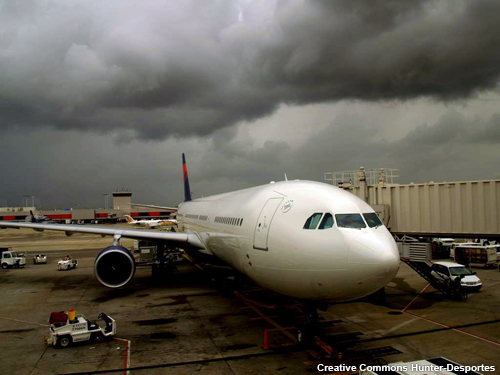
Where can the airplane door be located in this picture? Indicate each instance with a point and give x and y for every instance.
(264, 223)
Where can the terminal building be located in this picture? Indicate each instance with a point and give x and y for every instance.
(122, 205)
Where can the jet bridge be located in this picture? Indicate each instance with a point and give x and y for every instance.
(463, 209)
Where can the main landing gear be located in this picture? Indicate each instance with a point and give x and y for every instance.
(166, 265)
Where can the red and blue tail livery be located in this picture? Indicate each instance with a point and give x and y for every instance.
(187, 190)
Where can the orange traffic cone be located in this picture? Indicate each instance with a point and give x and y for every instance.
(266, 340)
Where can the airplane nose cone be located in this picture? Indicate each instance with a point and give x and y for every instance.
(373, 261)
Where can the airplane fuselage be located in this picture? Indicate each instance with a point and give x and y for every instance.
(260, 233)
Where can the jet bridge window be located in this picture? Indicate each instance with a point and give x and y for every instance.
(327, 222)
(313, 220)
(350, 221)
(372, 220)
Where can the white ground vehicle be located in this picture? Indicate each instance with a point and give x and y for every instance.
(488, 255)
(461, 244)
(10, 258)
(64, 332)
(444, 241)
(39, 259)
(64, 265)
(450, 270)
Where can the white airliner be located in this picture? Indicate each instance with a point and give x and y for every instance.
(153, 223)
(303, 239)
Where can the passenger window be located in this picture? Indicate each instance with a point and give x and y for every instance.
(6, 256)
(312, 221)
(327, 222)
(350, 221)
(372, 220)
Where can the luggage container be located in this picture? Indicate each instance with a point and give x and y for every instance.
(486, 256)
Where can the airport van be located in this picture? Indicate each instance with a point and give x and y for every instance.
(451, 270)
(10, 258)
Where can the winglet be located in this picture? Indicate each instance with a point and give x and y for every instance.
(187, 190)
(33, 219)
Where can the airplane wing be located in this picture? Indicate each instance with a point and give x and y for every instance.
(176, 239)
(153, 206)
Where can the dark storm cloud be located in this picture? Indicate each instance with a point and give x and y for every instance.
(454, 148)
(156, 69)
(69, 169)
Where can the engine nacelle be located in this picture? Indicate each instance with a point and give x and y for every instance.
(114, 266)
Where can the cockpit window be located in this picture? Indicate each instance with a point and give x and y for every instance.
(350, 221)
(327, 222)
(372, 219)
(313, 221)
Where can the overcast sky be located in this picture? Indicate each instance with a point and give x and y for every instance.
(99, 95)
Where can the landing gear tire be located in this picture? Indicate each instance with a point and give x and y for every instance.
(301, 336)
(305, 335)
(228, 285)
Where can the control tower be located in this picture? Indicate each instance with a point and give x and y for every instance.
(122, 200)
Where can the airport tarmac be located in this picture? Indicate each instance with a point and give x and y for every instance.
(187, 324)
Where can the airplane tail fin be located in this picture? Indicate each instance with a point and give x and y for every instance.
(187, 190)
(129, 219)
(33, 219)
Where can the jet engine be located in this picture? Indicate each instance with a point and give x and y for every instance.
(114, 266)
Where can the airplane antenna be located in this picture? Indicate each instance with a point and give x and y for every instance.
(286, 178)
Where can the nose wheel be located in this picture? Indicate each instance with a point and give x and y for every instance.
(310, 327)
(310, 311)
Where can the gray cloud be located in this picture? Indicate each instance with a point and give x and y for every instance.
(159, 69)
(456, 147)
(69, 168)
